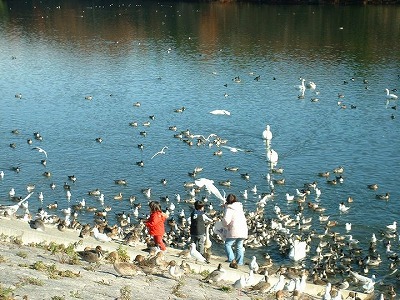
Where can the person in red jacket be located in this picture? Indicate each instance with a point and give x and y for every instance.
(155, 224)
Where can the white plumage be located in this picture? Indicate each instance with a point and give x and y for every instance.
(101, 237)
(196, 254)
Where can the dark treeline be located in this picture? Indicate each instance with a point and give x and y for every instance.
(284, 2)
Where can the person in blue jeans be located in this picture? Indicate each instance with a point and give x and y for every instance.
(235, 223)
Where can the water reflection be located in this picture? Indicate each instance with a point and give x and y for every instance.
(243, 29)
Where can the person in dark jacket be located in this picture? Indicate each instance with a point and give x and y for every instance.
(197, 225)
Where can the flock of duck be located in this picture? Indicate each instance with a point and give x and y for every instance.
(310, 247)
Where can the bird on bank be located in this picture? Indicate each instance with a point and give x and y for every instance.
(101, 237)
(196, 254)
(124, 268)
(216, 275)
(91, 255)
(174, 271)
(10, 210)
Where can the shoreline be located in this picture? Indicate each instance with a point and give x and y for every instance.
(14, 228)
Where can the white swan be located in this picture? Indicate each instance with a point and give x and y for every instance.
(267, 134)
(220, 112)
(272, 156)
(298, 250)
(301, 87)
(390, 96)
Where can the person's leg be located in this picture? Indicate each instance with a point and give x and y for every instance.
(228, 249)
(201, 240)
(158, 240)
(239, 251)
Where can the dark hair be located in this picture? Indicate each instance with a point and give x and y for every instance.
(199, 204)
(231, 198)
(154, 206)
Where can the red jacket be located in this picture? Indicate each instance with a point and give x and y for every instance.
(155, 223)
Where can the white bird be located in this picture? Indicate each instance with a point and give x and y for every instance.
(343, 208)
(267, 133)
(101, 237)
(220, 112)
(40, 150)
(327, 294)
(390, 96)
(210, 187)
(40, 196)
(162, 151)
(348, 226)
(289, 197)
(240, 284)
(279, 285)
(298, 250)
(301, 285)
(311, 85)
(12, 209)
(317, 192)
(301, 87)
(254, 265)
(272, 156)
(11, 193)
(290, 285)
(1, 174)
(68, 194)
(250, 279)
(245, 194)
(196, 254)
(233, 149)
(392, 227)
(254, 189)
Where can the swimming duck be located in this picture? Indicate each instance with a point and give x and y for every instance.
(373, 186)
(383, 197)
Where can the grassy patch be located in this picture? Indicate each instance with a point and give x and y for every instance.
(176, 290)
(6, 293)
(52, 270)
(125, 293)
(30, 280)
(2, 259)
(225, 288)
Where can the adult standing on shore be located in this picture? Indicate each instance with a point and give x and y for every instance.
(235, 223)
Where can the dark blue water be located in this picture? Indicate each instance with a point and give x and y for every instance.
(187, 55)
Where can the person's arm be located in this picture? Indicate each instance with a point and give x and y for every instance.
(206, 218)
(227, 219)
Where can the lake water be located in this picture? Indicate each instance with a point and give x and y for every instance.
(188, 55)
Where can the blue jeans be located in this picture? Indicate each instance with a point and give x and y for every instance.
(239, 250)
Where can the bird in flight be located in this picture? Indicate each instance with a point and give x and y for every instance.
(162, 151)
(40, 150)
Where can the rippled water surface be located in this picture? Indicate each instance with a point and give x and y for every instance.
(187, 55)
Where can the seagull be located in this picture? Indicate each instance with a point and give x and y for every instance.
(240, 283)
(343, 208)
(279, 285)
(162, 151)
(254, 265)
(12, 209)
(196, 254)
(40, 150)
(392, 227)
(101, 237)
(210, 187)
(233, 149)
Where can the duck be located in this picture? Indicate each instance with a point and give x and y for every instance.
(95, 192)
(383, 197)
(91, 255)
(121, 181)
(216, 275)
(373, 186)
(118, 197)
(174, 271)
(125, 268)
